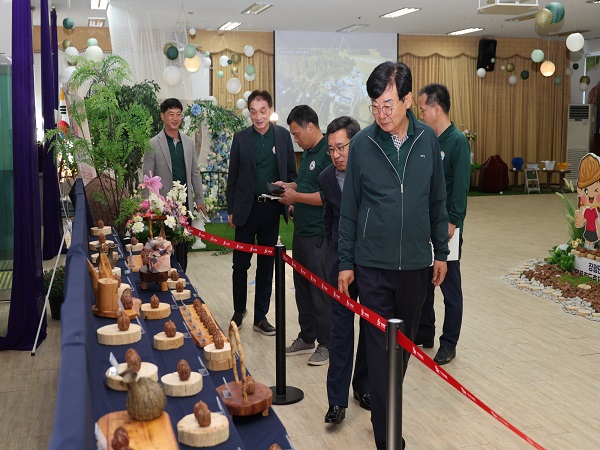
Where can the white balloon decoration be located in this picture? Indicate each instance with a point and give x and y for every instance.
(66, 73)
(94, 53)
(206, 62)
(575, 42)
(172, 76)
(583, 86)
(241, 103)
(213, 99)
(224, 60)
(249, 77)
(234, 86)
(249, 51)
(512, 79)
(246, 113)
(481, 72)
(247, 94)
(70, 53)
(568, 71)
(192, 31)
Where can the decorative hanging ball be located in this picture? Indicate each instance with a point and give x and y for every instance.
(568, 71)
(246, 113)
(235, 58)
(241, 103)
(234, 85)
(543, 17)
(234, 71)
(557, 10)
(249, 77)
(172, 53)
(503, 67)
(189, 51)
(68, 23)
(512, 79)
(207, 54)
(247, 95)
(575, 42)
(481, 72)
(206, 62)
(220, 74)
(524, 74)
(575, 66)
(537, 55)
(250, 70)
(585, 79)
(192, 64)
(192, 31)
(94, 53)
(510, 67)
(91, 42)
(547, 68)
(67, 43)
(583, 86)
(65, 74)
(172, 76)
(249, 51)
(557, 80)
(212, 99)
(223, 60)
(70, 54)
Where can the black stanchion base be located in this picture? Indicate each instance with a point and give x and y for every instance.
(292, 395)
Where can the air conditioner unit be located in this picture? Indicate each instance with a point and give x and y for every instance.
(580, 134)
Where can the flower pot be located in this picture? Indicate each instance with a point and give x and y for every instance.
(517, 162)
(55, 305)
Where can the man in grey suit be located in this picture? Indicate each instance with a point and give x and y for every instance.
(174, 159)
(260, 154)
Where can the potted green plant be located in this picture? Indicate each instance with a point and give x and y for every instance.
(56, 296)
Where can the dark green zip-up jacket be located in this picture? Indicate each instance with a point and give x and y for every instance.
(388, 218)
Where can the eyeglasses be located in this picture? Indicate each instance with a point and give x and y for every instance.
(337, 148)
(387, 110)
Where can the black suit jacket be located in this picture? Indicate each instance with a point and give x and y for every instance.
(241, 180)
(332, 201)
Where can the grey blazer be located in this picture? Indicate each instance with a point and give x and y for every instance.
(159, 163)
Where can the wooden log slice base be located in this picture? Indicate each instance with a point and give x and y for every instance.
(150, 313)
(115, 271)
(132, 314)
(95, 244)
(258, 402)
(134, 248)
(192, 434)
(95, 231)
(111, 335)
(149, 434)
(211, 353)
(154, 277)
(173, 284)
(115, 382)
(174, 387)
(162, 342)
(184, 295)
(216, 366)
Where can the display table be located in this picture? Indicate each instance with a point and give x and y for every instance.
(83, 396)
(561, 177)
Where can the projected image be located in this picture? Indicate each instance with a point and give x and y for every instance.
(328, 72)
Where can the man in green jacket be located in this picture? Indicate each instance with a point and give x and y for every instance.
(434, 104)
(393, 206)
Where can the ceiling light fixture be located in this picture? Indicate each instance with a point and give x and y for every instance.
(98, 4)
(256, 8)
(465, 31)
(228, 26)
(399, 12)
(96, 22)
(521, 18)
(351, 28)
(567, 33)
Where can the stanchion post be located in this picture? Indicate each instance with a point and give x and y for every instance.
(395, 371)
(282, 394)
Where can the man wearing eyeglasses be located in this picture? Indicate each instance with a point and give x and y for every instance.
(341, 339)
(393, 206)
(309, 247)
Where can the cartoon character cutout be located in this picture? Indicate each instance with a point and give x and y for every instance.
(588, 192)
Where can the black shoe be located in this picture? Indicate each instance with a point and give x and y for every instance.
(335, 414)
(425, 343)
(364, 400)
(444, 355)
(264, 327)
(238, 317)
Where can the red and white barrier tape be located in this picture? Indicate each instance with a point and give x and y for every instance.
(370, 317)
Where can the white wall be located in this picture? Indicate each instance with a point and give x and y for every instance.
(6, 26)
(591, 46)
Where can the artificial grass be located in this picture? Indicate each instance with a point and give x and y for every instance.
(286, 231)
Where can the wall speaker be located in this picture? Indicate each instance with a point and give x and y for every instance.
(487, 54)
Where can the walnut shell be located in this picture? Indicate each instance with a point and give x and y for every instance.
(174, 275)
(154, 301)
(117, 277)
(179, 286)
(101, 238)
(170, 329)
(275, 447)
(212, 328)
(133, 360)
(203, 316)
(218, 341)
(250, 385)
(100, 223)
(104, 248)
(134, 240)
(127, 299)
(197, 304)
(123, 321)
(184, 370)
(120, 440)
(202, 414)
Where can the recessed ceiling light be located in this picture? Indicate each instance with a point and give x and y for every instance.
(228, 26)
(399, 12)
(96, 22)
(98, 4)
(351, 28)
(465, 31)
(256, 8)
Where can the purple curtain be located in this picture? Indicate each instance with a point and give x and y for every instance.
(27, 297)
(52, 215)
(54, 55)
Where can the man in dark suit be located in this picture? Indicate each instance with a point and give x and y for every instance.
(260, 154)
(341, 340)
(174, 159)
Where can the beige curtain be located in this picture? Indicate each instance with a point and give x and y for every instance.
(527, 119)
(263, 64)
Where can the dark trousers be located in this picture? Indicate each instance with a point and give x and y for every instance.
(262, 228)
(341, 353)
(181, 254)
(392, 294)
(453, 308)
(314, 306)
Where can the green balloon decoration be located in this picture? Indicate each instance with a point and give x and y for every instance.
(537, 55)
(68, 23)
(234, 71)
(510, 67)
(575, 66)
(557, 80)
(207, 54)
(524, 74)
(220, 74)
(229, 61)
(189, 51)
(543, 18)
(67, 43)
(172, 53)
(557, 10)
(236, 58)
(250, 70)
(91, 42)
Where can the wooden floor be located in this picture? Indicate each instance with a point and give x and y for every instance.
(528, 360)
